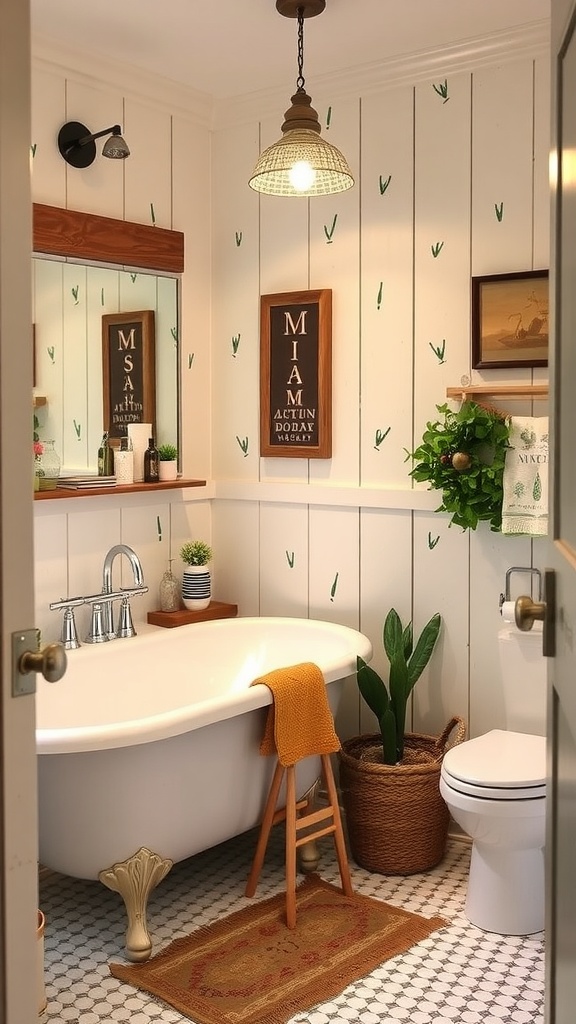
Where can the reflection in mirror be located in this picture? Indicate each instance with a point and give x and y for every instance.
(69, 300)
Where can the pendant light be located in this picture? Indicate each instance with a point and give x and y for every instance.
(301, 163)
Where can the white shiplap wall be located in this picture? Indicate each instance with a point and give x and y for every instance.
(347, 538)
(432, 162)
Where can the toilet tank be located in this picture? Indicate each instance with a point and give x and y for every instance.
(523, 668)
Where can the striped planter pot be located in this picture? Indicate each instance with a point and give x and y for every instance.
(196, 587)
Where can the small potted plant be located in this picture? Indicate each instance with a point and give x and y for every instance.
(168, 464)
(397, 820)
(196, 582)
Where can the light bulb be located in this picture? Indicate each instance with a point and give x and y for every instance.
(302, 175)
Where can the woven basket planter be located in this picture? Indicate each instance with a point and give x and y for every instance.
(397, 820)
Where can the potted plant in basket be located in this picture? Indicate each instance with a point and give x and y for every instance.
(196, 584)
(168, 466)
(397, 820)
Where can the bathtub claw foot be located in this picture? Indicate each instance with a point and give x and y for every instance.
(135, 879)
(309, 857)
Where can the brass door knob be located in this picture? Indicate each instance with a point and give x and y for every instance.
(51, 661)
(527, 611)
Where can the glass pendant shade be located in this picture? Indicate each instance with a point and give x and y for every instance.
(301, 163)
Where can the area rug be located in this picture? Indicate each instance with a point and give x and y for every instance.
(249, 968)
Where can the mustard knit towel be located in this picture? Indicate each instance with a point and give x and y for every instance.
(299, 722)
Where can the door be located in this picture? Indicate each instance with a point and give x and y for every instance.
(561, 825)
(18, 841)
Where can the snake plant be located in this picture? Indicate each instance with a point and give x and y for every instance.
(388, 702)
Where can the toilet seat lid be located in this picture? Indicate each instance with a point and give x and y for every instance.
(499, 760)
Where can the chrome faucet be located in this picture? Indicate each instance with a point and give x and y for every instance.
(126, 626)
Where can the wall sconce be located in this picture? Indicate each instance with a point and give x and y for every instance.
(301, 163)
(77, 145)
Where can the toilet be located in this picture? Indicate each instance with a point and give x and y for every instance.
(494, 786)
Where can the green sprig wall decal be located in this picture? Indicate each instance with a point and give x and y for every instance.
(432, 541)
(51, 352)
(133, 278)
(243, 442)
(334, 587)
(78, 429)
(75, 292)
(238, 236)
(383, 185)
(379, 437)
(235, 344)
(499, 211)
(328, 118)
(101, 296)
(442, 90)
(190, 360)
(439, 350)
(379, 299)
(159, 528)
(330, 231)
(174, 333)
(152, 214)
(290, 558)
(437, 249)
(33, 149)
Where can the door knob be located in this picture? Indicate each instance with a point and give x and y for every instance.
(51, 661)
(527, 612)
(27, 660)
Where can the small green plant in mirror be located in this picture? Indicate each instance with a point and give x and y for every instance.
(167, 452)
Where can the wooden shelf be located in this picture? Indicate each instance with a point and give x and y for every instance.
(38, 400)
(90, 492)
(215, 610)
(499, 391)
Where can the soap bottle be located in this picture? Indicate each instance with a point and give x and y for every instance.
(151, 463)
(170, 596)
(105, 457)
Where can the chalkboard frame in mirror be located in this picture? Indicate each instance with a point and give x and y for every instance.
(128, 368)
(296, 374)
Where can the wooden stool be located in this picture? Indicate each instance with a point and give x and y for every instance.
(295, 823)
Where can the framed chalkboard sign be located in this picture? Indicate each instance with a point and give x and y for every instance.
(129, 370)
(296, 374)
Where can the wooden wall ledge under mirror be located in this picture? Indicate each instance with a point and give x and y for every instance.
(93, 492)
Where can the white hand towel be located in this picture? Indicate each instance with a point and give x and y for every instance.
(525, 501)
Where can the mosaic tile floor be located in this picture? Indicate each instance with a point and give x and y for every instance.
(459, 974)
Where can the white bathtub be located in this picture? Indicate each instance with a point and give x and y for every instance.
(152, 742)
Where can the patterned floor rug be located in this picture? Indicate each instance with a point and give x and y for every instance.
(249, 968)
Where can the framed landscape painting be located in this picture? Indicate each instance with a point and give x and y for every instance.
(510, 320)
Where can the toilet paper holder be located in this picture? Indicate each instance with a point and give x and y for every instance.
(518, 568)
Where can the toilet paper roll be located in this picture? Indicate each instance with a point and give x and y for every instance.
(507, 611)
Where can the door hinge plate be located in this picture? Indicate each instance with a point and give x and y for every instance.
(23, 684)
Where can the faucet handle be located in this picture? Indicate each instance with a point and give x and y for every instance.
(97, 634)
(69, 636)
(125, 626)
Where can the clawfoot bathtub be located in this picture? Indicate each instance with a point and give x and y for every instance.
(149, 747)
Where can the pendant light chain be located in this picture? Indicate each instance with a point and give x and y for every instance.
(300, 81)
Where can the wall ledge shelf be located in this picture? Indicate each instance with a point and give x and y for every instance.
(91, 492)
(508, 391)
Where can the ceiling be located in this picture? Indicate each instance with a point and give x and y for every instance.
(228, 48)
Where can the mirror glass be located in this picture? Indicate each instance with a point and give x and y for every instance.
(69, 300)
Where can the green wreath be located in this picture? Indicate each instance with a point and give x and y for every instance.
(463, 456)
